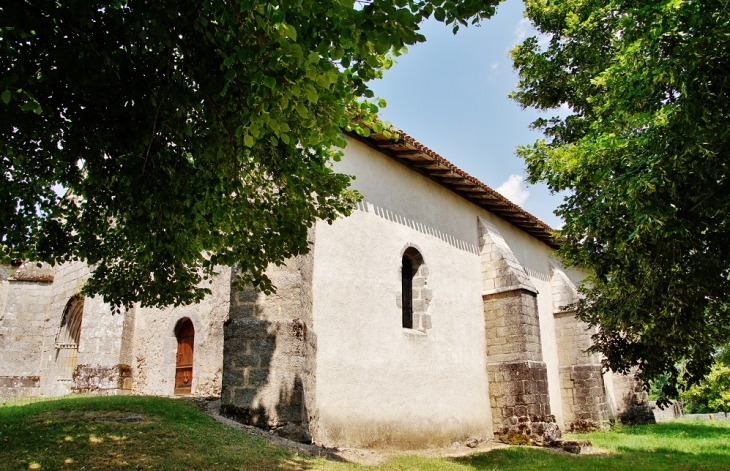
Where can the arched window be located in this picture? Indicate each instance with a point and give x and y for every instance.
(414, 294)
(185, 333)
(69, 334)
(407, 280)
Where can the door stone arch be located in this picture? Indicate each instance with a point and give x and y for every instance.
(185, 335)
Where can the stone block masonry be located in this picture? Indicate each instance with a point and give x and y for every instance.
(581, 378)
(250, 348)
(518, 389)
(517, 376)
(633, 407)
(18, 387)
(22, 325)
(512, 327)
(583, 398)
(110, 380)
(582, 389)
(516, 373)
(269, 353)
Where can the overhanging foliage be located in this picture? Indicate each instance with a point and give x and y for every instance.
(189, 133)
(644, 152)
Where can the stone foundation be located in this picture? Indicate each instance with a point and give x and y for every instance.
(18, 387)
(102, 379)
(537, 430)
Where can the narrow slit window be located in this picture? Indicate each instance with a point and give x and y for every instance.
(407, 290)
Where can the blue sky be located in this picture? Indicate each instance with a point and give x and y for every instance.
(450, 94)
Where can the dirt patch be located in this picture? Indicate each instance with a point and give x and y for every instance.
(352, 455)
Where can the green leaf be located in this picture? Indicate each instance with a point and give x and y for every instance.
(302, 111)
(248, 140)
(5, 96)
(439, 14)
(291, 32)
(270, 82)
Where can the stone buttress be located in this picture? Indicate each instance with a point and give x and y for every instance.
(517, 375)
(269, 352)
(581, 379)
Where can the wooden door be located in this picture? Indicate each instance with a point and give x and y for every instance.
(184, 361)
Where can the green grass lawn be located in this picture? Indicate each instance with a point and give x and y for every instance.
(86, 433)
(159, 433)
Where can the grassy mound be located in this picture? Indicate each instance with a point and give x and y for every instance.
(128, 432)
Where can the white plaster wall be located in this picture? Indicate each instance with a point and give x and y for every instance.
(549, 344)
(155, 344)
(371, 373)
(613, 393)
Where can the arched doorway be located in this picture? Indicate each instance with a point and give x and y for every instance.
(185, 333)
(67, 340)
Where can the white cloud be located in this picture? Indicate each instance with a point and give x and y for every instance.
(523, 29)
(494, 70)
(514, 189)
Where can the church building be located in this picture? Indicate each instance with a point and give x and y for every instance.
(435, 313)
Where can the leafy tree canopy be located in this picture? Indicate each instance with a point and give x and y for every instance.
(713, 392)
(189, 133)
(644, 152)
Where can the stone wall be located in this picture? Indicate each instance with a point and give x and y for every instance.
(516, 373)
(632, 400)
(512, 327)
(671, 411)
(379, 384)
(518, 389)
(581, 376)
(22, 326)
(152, 332)
(134, 349)
(584, 401)
(269, 353)
(582, 388)
(18, 387)
(517, 376)
(100, 339)
(103, 379)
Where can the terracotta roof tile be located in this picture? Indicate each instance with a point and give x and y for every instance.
(420, 158)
